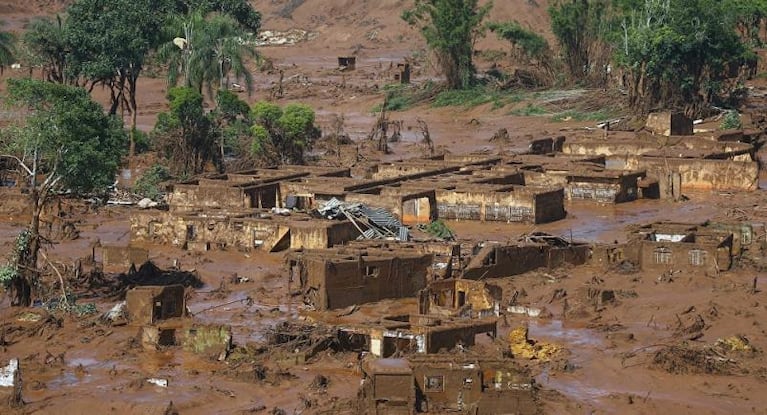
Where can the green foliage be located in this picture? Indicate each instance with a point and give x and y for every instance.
(240, 10)
(233, 118)
(582, 29)
(678, 53)
(216, 48)
(185, 135)
(7, 48)
(282, 135)
(142, 141)
(148, 185)
(531, 44)
(731, 121)
(10, 270)
(266, 113)
(44, 43)
(450, 28)
(439, 229)
(78, 146)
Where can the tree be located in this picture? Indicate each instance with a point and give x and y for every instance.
(206, 51)
(240, 10)
(44, 41)
(232, 118)
(65, 143)
(282, 135)
(450, 28)
(184, 135)
(527, 46)
(7, 48)
(113, 39)
(678, 54)
(582, 28)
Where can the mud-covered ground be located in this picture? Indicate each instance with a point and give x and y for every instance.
(621, 357)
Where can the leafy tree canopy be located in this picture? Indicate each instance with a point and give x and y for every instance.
(282, 135)
(77, 145)
(450, 28)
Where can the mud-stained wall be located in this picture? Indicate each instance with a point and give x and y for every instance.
(149, 305)
(504, 205)
(123, 256)
(329, 283)
(663, 256)
(700, 174)
(550, 206)
(496, 261)
(652, 144)
(14, 201)
(310, 236)
(445, 338)
(240, 233)
(189, 196)
(488, 388)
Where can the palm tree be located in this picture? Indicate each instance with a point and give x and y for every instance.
(7, 48)
(213, 48)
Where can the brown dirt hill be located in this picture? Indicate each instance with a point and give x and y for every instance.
(377, 23)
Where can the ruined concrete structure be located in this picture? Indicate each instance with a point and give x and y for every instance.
(149, 305)
(446, 384)
(160, 312)
(460, 297)
(664, 246)
(245, 210)
(417, 333)
(719, 161)
(668, 124)
(342, 277)
(122, 257)
(529, 252)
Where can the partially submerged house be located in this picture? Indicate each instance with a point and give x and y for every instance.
(460, 297)
(263, 230)
(147, 305)
(161, 314)
(341, 277)
(678, 163)
(664, 246)
(418, 334)
(446, 384)
(530, 252)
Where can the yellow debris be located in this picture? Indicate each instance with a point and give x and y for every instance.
(524, 348)
(735, 344)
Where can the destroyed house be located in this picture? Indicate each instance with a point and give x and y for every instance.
(416, 333)
(675, 246)
(243, 231)
(460, 297)
(582, 177)
(149, 305)
(679, 164)
(342, 277)
(530, 252)
(446, 384)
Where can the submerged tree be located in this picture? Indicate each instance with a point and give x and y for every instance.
(185, 135)
(282, 135)
(66, 143)
(450, 28)
(583, 29)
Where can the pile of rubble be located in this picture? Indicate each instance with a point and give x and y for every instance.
(373, 223)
